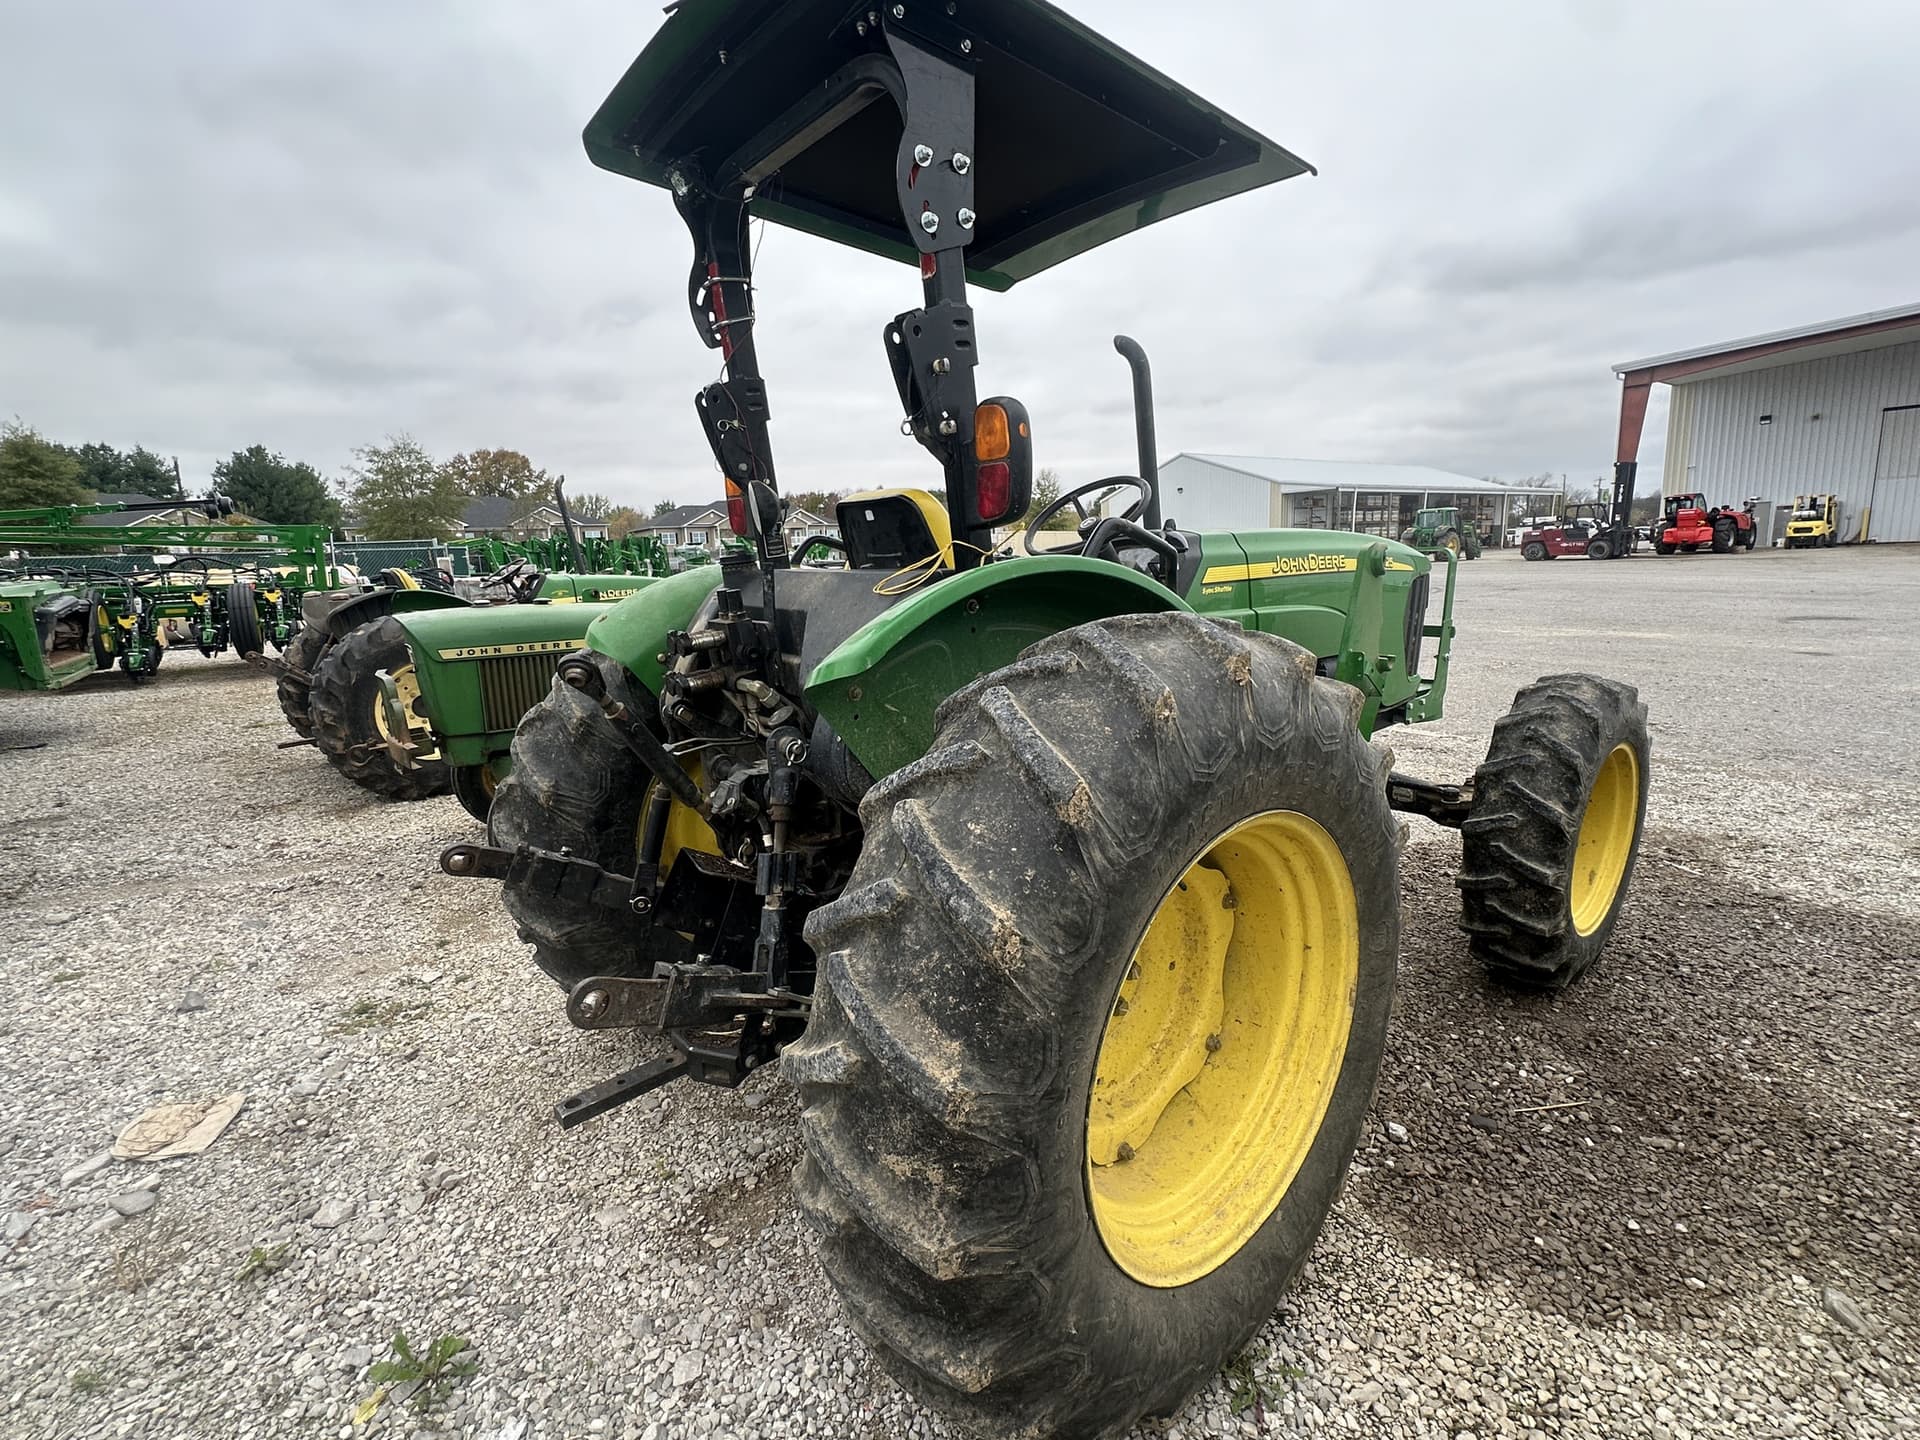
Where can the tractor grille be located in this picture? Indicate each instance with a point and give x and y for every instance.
(511, 685)
(1416, 622)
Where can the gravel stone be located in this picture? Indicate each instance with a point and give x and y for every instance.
(133, 1202)
(1842, 1307)
(19, 1223)
(333, 1213)
(1484, 1280)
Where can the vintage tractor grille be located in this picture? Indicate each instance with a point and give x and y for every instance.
(511, 685)
(1416, 622)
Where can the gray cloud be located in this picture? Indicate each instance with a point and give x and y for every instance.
(222, 224)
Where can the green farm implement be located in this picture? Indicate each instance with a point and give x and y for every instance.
(1064, 886)
(47, 633)
(216, 587)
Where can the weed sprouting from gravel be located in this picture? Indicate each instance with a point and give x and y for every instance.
(1251, 1386)
(141, 1258)
(264, 1260)
(63, 977)
(433, 1374)
(366, 1014)
(89, 1382)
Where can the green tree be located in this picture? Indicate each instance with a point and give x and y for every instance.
(1046, 490)
(36, 471)
(499, 472)
(397, 492)
(589, 507)
(134, 472)
(268, 486)
(820, 502)
(663, 506)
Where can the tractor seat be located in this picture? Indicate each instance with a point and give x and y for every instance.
(892, 529)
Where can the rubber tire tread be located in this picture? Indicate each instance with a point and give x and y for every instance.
(1518, 841)
(576, 785)
(341, 707)
(295, 693)
(1725, 533)
(243, 620)
(966, 973)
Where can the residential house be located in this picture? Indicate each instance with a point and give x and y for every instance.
(499, 515)
(706, 526)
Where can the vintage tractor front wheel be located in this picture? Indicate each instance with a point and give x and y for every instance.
(1549, 845)
(349, 719)
(1099, 1015)
(575, 785)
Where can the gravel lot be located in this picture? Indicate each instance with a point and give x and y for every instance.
(1714, 1233)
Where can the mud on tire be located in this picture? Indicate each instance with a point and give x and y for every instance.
(574, 783)
(1521, 842)
(345, 698)
(966, 975)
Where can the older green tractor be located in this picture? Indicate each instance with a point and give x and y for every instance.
(411, 691)
(1064, 887)
(1443, 528)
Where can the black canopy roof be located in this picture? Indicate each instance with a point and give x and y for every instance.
(1075, 141)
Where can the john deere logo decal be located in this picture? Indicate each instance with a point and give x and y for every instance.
(529, 647)
(1289, 565)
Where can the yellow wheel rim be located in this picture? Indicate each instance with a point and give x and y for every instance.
(1606, 838)
(1222, 1049)
(406, 681)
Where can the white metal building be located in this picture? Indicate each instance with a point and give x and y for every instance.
(1830, 408)
(1252, 492)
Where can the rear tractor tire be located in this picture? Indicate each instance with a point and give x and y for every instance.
(1098, 1017)
(293, 684)
(1548, 848)
(349, 723)
(1725, 532)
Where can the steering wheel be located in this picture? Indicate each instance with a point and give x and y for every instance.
(1089, 522)
(520, 580)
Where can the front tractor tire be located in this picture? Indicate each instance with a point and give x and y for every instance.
(1549, 846)
(1098, 1018)
(293, 683)
(575, 785)
(349, 722)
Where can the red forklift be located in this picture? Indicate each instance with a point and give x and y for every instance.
(1587, 529)
(1688, 524)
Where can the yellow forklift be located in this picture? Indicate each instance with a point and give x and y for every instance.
(1815, 521)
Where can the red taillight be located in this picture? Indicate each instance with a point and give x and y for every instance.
(994, 487)
(737, 513)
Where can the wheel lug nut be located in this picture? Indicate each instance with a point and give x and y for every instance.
(1120, 1007)
(1213, 1043)
(1124, 1153)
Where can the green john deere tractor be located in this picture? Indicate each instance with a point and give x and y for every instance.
(412, 689)
(1064, 887)
(1442, 528)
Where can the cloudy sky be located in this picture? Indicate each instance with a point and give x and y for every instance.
(224, 223)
